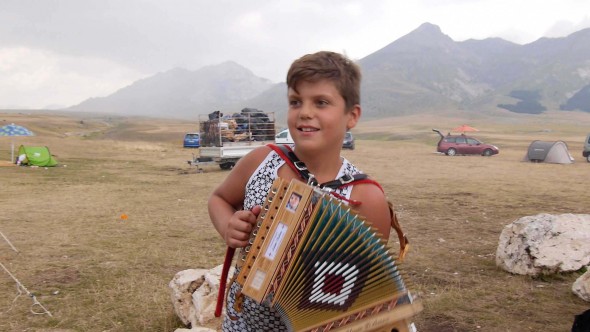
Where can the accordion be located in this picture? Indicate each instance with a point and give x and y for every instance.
(321, 266)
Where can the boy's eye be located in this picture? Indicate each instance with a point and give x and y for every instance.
(322, 102)
(294, 103)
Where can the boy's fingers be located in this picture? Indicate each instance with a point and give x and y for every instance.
(242, 227)
(256, 211)
(244, 221)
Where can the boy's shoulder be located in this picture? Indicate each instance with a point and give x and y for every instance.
(248, 163)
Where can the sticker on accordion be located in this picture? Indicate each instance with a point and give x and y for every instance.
(258, 279)
(293, 202)
(275, 242)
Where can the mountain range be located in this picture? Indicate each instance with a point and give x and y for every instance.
(423, 71)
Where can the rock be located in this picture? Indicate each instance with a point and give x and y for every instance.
(182, 287)
(195, 329)
(581, 286)
(194, 295)
(545, 244)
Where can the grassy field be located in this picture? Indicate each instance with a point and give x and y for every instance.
(96, 271)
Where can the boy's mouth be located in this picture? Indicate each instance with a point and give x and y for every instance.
(307, 129)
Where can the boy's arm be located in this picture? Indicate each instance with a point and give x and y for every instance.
(373, 207)
(225, 203)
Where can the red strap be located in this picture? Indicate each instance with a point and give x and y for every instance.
(342, 198)
(284, 156)
(229, 255)
(363, 181)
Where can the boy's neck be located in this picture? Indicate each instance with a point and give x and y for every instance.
(325, 167)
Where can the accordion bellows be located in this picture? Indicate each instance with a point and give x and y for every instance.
(321, 266)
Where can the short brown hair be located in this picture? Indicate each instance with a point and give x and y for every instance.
(332, 66)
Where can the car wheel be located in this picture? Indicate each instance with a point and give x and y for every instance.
(226, 166)
(487, 152)
(451, 152)
(588, 158)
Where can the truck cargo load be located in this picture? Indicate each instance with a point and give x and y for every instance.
(225, 138)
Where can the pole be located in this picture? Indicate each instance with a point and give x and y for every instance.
(8, 241)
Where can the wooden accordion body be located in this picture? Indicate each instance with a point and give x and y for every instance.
(321, 266)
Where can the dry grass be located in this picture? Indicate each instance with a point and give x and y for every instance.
(97, 272)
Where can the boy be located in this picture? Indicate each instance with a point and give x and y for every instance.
(324, 103)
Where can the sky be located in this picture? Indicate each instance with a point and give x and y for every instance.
(58, 53)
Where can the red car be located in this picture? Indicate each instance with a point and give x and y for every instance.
(452, 145)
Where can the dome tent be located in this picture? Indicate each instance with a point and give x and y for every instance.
(548, 152)
(36, 156)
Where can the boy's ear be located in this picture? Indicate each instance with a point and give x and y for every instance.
(354, 116)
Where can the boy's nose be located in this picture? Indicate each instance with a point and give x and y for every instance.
(306, 111)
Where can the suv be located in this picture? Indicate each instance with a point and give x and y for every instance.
(192, 140)
(348, 142)
(461, 144)
(586, 152)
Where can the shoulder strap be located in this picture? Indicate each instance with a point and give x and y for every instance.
(404, 243)
(287, 154)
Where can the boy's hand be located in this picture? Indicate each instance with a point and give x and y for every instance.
(240, 226)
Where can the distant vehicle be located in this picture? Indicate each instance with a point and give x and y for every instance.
(586, 152)
(284, 137)
(348, 142)
(192, 140)
(452, 145)
(226, 139)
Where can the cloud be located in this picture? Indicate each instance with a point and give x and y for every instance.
(39, 78)
(564, 27)
(46, 41)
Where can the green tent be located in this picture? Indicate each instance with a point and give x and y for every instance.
(36, 156)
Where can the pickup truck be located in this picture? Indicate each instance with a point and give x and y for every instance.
(226, 139)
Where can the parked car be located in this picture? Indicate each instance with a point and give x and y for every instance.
(284, 137)
(586, 152)
(348, 142)
(192, 140)
(452, 145)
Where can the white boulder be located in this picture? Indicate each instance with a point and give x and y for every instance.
(545, 244)
(581, 286)
(194, 295)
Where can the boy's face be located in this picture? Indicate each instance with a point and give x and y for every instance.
(317, 115)
(294, 200)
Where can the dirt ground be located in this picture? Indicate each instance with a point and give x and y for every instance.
(100, 236)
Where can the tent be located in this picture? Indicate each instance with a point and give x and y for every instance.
(36, 156)
(549, 152)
